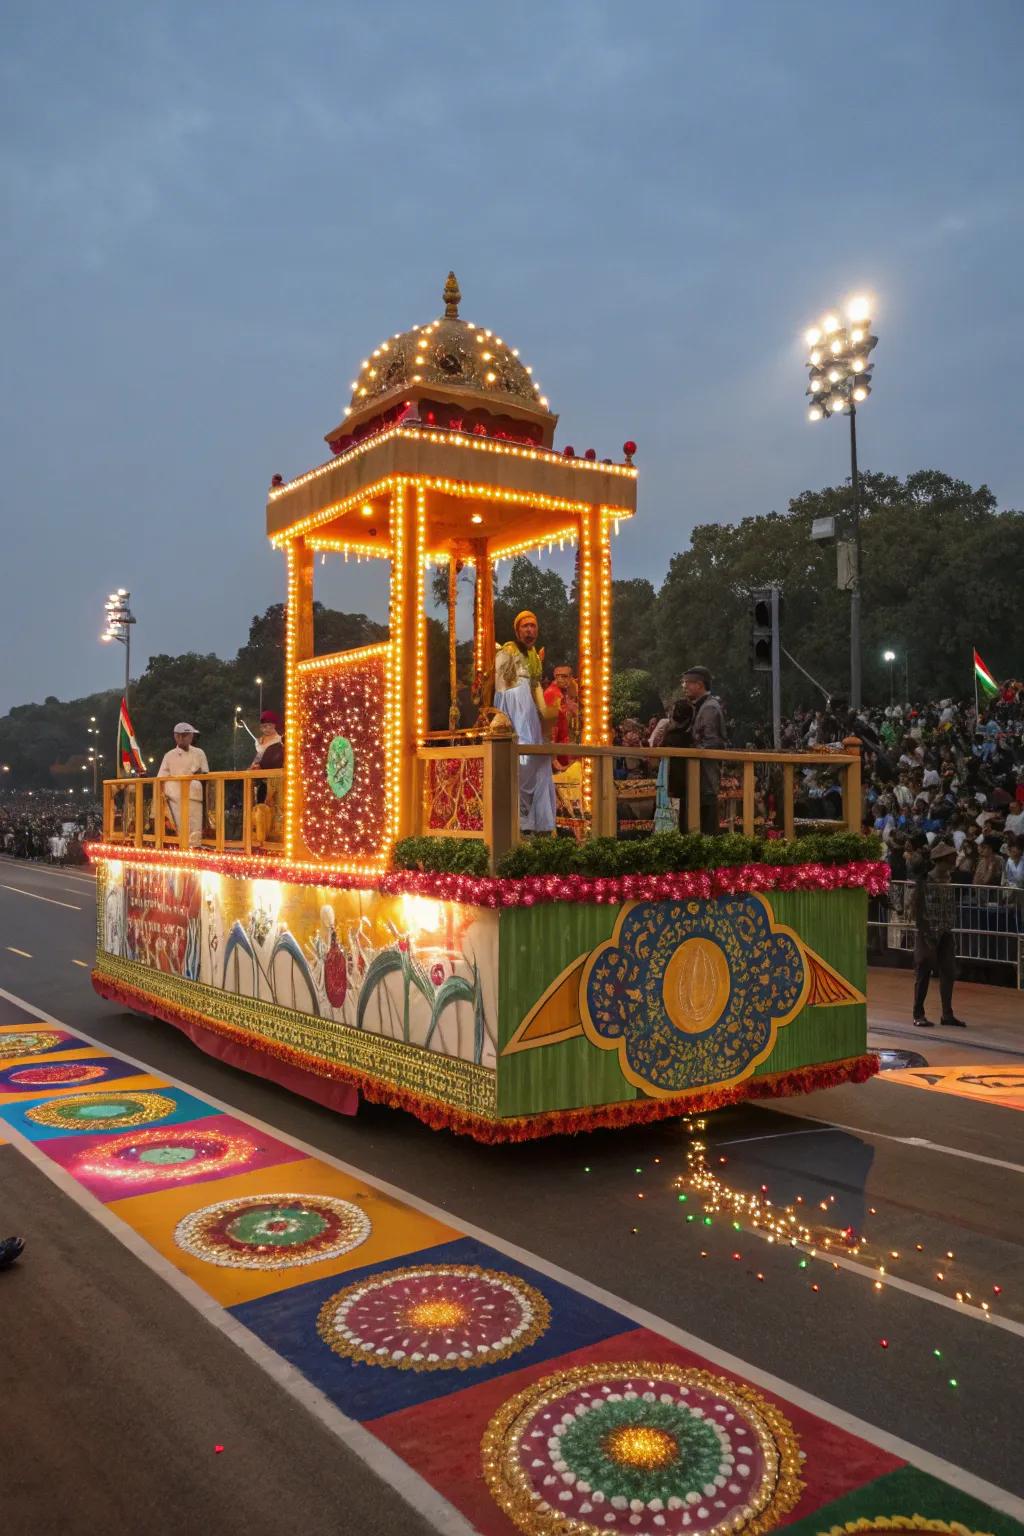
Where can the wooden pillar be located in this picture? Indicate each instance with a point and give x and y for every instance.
(483, 618)
(407, 696)
(454, 565)
(853, 806)
(298, 646)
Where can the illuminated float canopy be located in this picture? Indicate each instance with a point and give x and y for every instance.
(503, 1006)
(444, 455)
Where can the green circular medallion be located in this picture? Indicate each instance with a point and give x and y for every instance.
(341, 766)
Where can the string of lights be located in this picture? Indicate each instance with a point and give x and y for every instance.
(465, 440)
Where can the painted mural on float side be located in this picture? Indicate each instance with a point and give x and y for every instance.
(408, 967)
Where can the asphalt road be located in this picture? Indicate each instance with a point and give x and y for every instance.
(921, 1175)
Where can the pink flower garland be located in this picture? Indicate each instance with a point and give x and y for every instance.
(494, 891)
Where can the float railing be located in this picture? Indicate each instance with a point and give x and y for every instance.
(468, 787)
(238, 811)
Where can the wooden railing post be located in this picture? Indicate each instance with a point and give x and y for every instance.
(693, 794)
(748, 799)
(159, 813)
(501, 795)
(788, 825)
(246, 818)
(604, 801)
(140, 825)
(218, 815)
(853, 810)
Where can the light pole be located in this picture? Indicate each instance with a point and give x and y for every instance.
(259, 685)
(890, 657)
(119, 620)
(93, 730)
(840, 380)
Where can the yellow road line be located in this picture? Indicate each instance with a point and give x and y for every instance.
(19, 952)
(82, 963)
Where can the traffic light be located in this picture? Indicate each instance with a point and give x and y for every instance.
(762, 621)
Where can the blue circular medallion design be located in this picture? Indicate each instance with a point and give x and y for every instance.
(691, 992)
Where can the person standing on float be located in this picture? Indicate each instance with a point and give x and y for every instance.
(518, 670)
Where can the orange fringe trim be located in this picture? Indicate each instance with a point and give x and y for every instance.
(559, 1122)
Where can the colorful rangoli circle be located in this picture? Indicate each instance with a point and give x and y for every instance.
(170, 1153)
(55, 1074)
(273, 1231)
(101, 1111)
(642, 1449)
(434, 1317)
(30, 1042)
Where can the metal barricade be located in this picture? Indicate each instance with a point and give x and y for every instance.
(989, 924)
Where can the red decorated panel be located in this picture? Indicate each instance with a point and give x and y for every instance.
(455, 794)
(342, 747)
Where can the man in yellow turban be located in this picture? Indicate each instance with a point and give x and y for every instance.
(518, 672)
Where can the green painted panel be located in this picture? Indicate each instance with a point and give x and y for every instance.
(834, 925)
(536, 946)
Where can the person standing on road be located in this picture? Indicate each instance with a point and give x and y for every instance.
(934, 915)
(183, 760)
(708, 735)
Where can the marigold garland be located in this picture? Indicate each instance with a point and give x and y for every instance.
(496, 891)
(440, 1116)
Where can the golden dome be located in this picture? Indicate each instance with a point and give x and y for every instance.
(450, 360)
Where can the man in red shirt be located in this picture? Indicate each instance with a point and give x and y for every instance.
(564, 692)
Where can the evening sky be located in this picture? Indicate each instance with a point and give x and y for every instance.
(213, 211)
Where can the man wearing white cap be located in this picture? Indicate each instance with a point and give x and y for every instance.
(183, 760)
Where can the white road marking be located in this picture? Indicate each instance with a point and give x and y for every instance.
(83, 963)
(929, 1146)
(740, 1141)
(442, 1515)
(61, 872)
(33, 897)
(24, 953)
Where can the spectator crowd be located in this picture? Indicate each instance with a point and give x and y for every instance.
(933, 772)
(47, 825)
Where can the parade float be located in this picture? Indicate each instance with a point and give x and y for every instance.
(498, 987)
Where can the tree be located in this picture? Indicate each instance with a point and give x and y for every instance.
(634, 695)
(633, 605)
(939, 576)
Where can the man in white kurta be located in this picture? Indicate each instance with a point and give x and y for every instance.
(185, 759)
(519, 695)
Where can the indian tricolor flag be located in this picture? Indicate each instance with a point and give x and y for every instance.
(983, 677)
(128, 754)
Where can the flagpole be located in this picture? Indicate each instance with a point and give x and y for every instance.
(977, 711)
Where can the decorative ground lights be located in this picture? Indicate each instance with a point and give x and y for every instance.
(435, 1317)
(641, 1447)
(101, 1111)
(273, 1231)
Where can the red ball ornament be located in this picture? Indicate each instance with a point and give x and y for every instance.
(629, 448)
(590, 454)
(568, 452)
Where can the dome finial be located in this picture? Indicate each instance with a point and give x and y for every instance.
(451, 297)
